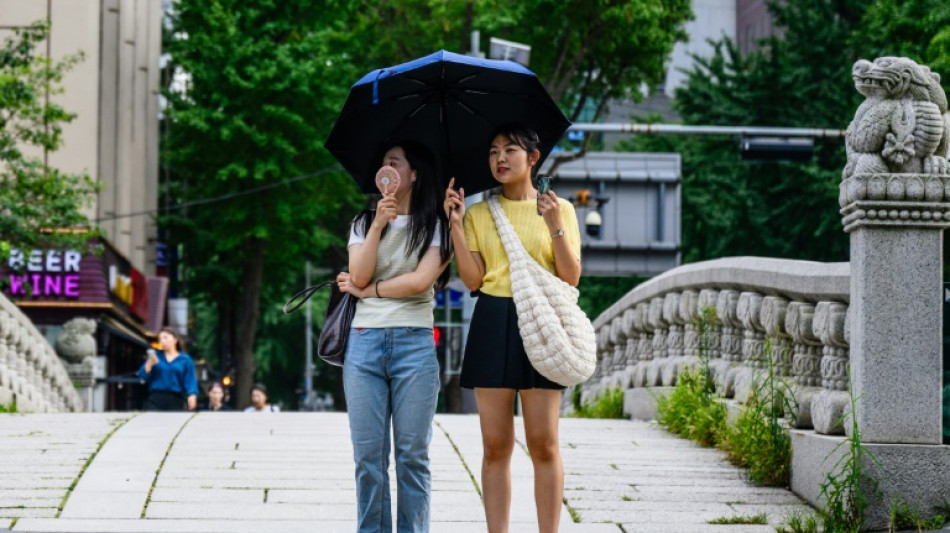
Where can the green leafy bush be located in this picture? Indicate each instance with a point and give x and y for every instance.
(691, 410)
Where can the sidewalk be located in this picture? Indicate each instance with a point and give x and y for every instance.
(293, 472)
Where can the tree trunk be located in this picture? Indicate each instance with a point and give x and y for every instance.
(248, 312)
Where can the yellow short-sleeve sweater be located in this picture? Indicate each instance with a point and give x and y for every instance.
(482, 237)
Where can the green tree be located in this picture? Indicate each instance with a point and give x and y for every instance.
(262, 89)
(586, 53)
(35, 197)
(733, 207)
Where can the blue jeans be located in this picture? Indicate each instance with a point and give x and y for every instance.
(391, 374)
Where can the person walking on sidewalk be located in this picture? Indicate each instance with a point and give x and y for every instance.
(390, 370)
(495, 363)
(170, 375)
(259, 402)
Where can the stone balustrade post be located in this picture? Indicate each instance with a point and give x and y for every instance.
(618, 337)
(630, 350)
(641, 320)
(731, 342)
(829, 406)
(740, 378)
(779, 342)
(709, 341)
(675, 347)
(806, 361)
(659, 325)
(689, 316)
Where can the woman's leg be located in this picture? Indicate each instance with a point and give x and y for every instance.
(541, 409)
(369, 411)
(495, 415)
(414, 382)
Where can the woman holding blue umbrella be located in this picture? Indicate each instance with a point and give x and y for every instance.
(495, 362)
(390, 371)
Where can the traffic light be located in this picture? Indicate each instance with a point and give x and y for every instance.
(776, 148)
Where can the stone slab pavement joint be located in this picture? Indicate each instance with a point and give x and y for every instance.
(293, 472)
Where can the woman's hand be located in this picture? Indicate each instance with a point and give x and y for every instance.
(385, 211)
(343, 280)
(551, 211)
(454, 203)
(152, 360)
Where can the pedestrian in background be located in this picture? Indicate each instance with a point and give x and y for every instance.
(495, 363)
(170, 375)
(259, 401)
(391, 371)
(216, 398)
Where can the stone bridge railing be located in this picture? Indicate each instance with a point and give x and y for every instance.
(31, 374)
(793, 312)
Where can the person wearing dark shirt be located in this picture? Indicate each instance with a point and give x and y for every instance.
(216, 398)
(170, 374)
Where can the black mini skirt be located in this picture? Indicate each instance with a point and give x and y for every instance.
(494, 352)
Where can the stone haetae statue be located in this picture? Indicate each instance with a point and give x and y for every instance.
(901, 127)
(76, 341)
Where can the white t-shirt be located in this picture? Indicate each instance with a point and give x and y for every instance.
(401, 222)
(271, 408)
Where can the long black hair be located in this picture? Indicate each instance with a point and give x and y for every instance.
(425, 207)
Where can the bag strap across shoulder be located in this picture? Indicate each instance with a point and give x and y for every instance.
(512, 243)
(293, 304)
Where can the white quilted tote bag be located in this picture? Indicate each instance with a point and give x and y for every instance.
(557, 335)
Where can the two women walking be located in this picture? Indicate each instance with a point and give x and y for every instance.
(397, 253)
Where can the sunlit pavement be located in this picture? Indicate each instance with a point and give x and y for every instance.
(293, 472)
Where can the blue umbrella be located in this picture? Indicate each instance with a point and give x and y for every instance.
(449, 102)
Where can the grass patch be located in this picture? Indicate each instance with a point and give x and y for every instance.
(760, 519)
(8, 408)
(148, 498)
(471, 476)
(799, 523)
(607, 404)
(575, 516)
(691, 410)
(905, 516)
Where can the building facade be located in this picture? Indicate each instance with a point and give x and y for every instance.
(114, 92)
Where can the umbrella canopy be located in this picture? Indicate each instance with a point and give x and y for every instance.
(449, 102)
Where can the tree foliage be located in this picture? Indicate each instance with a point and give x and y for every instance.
(33, 195)
(733, 207)
(262, 88)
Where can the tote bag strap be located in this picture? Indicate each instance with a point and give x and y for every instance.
(512, 243)
(301, 297)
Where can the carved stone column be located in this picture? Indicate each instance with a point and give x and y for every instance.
(674, 339)
(779, 343)
(708, 298)
(6, 378)
(618, 337)
(831, 403)
(659, 325)
(749, 312)
(895, 222)
(641, 320)
(630, 350)
(731, 342)
(806, 361)
(689, 315)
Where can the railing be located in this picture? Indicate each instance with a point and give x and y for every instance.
(793, 312)
(31, 375)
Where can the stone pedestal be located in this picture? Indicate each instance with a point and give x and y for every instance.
(915, 473)
(895, 222)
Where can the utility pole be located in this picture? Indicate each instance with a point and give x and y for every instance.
(308, 336)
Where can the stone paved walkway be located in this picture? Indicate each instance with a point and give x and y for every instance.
(293, 472)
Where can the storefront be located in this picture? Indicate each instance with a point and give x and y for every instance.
(54, 286)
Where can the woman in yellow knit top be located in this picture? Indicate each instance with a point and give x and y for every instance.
(495, 363)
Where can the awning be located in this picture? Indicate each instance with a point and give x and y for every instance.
(119, 329)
